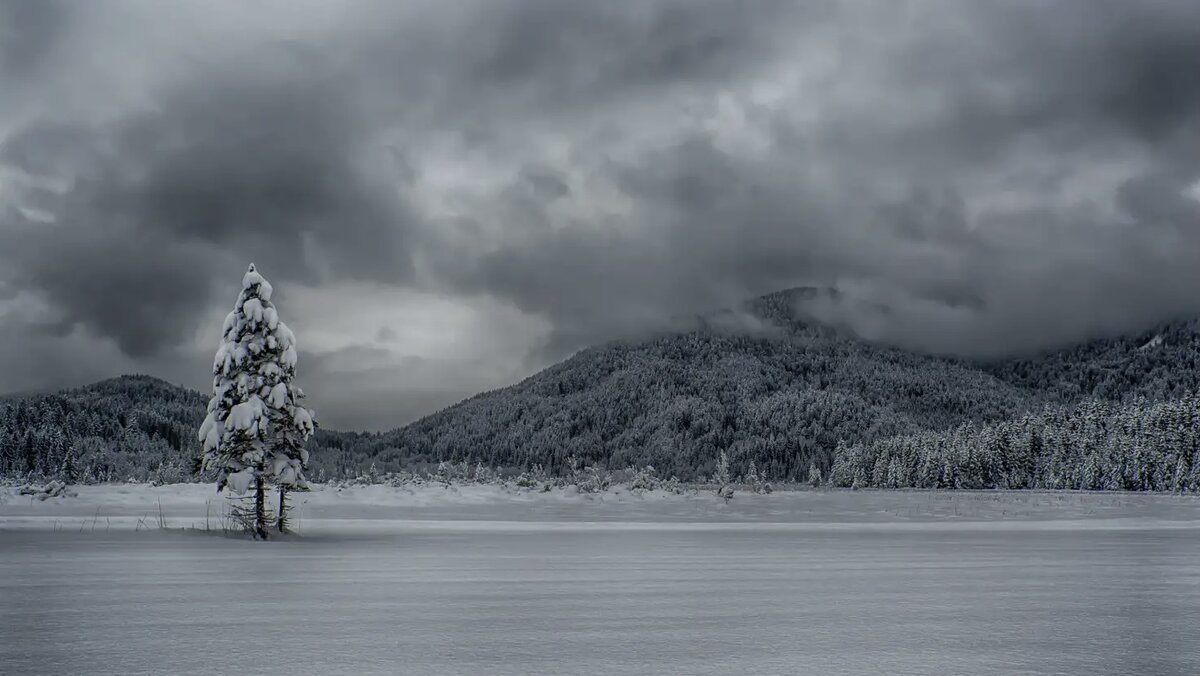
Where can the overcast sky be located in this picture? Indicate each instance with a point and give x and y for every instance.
(449, 195)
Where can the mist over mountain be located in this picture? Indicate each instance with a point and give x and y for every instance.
(769, 384)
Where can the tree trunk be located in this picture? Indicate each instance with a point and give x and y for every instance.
(282, 521)
(260, 508)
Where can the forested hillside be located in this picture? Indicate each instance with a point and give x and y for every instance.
(127, 427)
(762, 384)
(132, 427)
(782, 398)
(1097, 445)
(677, 402)
(1160, 364)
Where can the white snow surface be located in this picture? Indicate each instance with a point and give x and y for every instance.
(289, 356)
(278, 396)
(210, 433)
(253, 277)
(239, 482)
(245, 416)
(253, 309)
(483, 580)
(331, 508)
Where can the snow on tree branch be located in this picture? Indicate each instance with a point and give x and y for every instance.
(256, 427)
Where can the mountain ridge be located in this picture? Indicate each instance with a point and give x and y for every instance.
(782, 390)
(985, 392)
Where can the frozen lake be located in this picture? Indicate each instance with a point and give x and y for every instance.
(523, 596)
(484, 580)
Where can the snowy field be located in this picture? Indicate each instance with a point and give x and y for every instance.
(477, 580)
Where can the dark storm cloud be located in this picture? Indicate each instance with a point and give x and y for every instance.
(1131, 70)
(1000, 175)
(27, 33)
(266, 163)
(144, 301)
(1060, 73)
(269, 154)
(261, 163)
(591, 51)
(1072, 83)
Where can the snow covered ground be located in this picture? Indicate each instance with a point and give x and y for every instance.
(380, 507)
(477, 580)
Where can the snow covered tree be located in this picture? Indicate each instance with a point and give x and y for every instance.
(255, 427)
(751, 476)
(814, 475)
(756, 480)
(644, 479)
(291, 424)
(69, 470)
(722, 478)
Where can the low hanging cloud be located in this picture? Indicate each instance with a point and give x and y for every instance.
(1002, 176)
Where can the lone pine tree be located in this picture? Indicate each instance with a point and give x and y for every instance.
(255, 428)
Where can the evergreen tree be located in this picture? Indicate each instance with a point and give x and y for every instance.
(721, 478)
(814, 475)
(254, 424)
(291, 424)
(69, 471)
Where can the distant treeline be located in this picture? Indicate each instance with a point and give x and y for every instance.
(1140, 446)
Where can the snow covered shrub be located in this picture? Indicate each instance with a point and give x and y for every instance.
(756, 481)
(483, 475)
(538, 472)
(52, 489)
(535, 478)
(644, 479)
(450, 473)
(593, 480)
(672, 485)
(168, 473)
(527, 480)
(399, 479)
